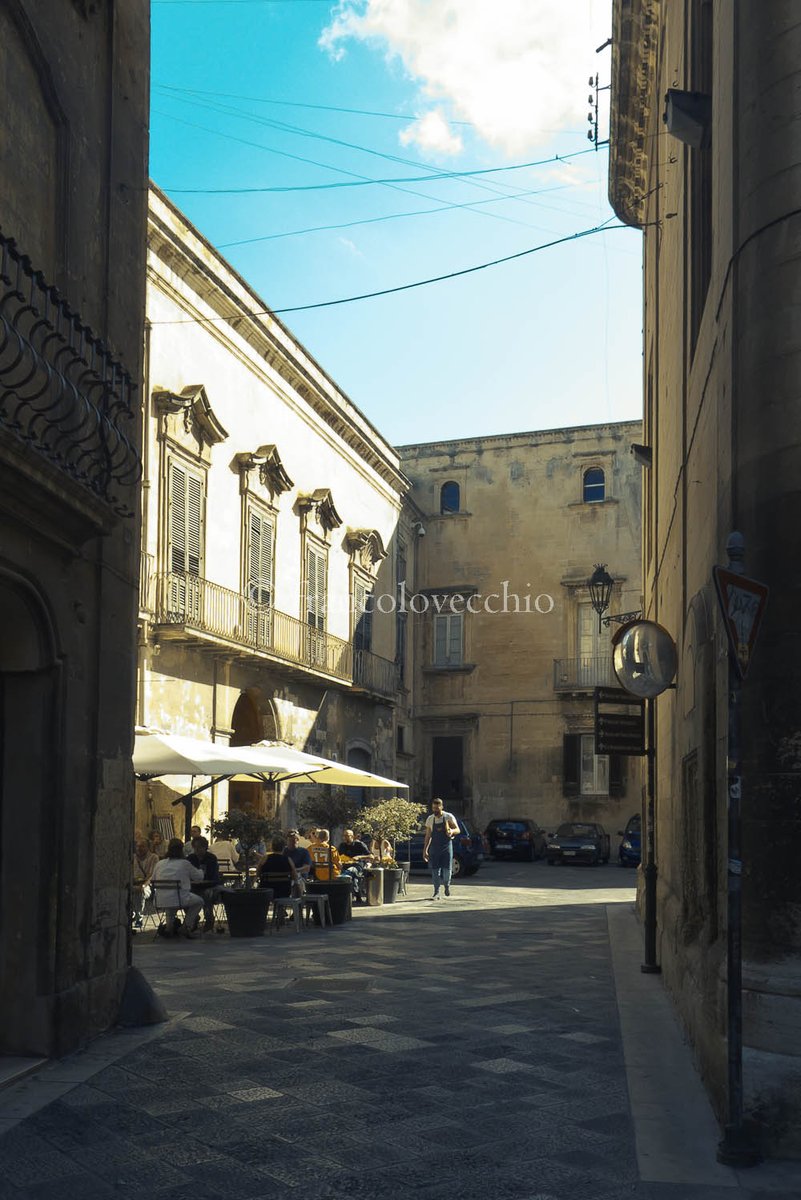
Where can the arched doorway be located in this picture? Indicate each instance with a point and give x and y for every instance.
(250, 724)
(30, 807)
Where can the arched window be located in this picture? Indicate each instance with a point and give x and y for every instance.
(449, 497)
(594, 485)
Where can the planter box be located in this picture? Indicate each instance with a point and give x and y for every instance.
(246, 910)
(392, 882)
(339, 896)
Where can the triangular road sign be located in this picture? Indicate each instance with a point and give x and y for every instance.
(742, 602)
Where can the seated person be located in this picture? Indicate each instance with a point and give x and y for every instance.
(381, 849)
(326, 860)
(175, 867)
(351, 846)
(194, 831)
(157, 844)
(298, 854)
(277, 871)
(226, 854)
(205, 861)
(144, 862)
(355, 857)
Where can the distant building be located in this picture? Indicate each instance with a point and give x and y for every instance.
(705, 158)
(73, 163)
(274, 536)
(508, 647)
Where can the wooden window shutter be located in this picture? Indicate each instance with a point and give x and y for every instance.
(261, 533)
(362, 617)
(617, 781)
(571, 764)
(194, 524)
(177, 520)
(315, 588)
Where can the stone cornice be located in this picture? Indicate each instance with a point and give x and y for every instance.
(182, 249)
(267, 461)
(635, 26)
(321, 503)
(366, 548)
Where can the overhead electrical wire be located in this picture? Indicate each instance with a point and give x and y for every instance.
(420, 212)
(341, 170)
(605, 227)
(318, 187)
(498, 187)
(357, 112)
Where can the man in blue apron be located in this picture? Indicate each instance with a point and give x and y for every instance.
(441, 828)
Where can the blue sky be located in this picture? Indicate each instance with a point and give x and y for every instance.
(244, 90)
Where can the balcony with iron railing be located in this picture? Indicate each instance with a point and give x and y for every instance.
(64, 395)
(189, 608)
(583, 674)
(372, 673)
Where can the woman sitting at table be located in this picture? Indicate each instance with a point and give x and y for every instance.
(380, 849)
(277, 871)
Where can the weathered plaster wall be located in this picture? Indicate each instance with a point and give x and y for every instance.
(524, 530)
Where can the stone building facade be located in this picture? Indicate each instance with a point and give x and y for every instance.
(73, 173)
(272, 509)
(508, 647)
(706, 160)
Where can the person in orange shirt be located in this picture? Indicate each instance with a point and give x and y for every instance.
(326, 860)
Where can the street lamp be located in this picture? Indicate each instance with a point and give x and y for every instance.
(600, 584)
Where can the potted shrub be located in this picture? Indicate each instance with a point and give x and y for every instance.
(246, 908)
(395, 820)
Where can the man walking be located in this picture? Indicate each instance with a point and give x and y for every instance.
(441, 828)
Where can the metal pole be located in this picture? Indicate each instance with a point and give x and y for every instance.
(650, 965)
(735, 1148)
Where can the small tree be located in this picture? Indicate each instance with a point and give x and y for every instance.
(247, 829)
(395, 819)
(328, 811)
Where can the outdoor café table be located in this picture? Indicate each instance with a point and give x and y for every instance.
(339, 893)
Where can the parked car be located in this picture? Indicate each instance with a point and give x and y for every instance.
(630, 849)
(468, 851)
(515, 837)
(578, 841)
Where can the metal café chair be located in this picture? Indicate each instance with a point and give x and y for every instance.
(166, 896)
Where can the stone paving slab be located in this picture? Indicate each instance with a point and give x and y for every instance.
(453, 1049)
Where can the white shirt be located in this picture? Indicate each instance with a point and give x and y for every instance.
(450, 822)
(180, 869)
(225, 852)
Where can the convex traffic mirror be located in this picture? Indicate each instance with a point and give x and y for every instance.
(644, 658)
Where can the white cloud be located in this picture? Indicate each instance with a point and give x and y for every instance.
(432, 134)
(516, 69)
(351, 246)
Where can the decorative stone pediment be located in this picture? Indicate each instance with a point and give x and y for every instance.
(188, 414)
(267, 461)
(366, 548)
(319, 505)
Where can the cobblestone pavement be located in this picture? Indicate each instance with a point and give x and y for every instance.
(467, 1048)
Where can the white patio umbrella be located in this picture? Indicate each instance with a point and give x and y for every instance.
(157, 753)
(325, 770)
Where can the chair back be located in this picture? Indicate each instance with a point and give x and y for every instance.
(166, 893)
(279, 881)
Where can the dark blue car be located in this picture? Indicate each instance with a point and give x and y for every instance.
(468, 851)
(630, 850)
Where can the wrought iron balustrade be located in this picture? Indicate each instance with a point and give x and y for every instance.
(198, 604)
(374, 673)
(62, 392)
(583, 674)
